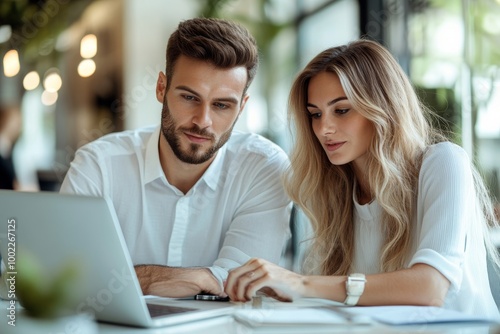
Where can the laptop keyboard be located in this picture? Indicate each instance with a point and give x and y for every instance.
(156, 310)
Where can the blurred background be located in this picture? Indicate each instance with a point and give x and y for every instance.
(72, 71)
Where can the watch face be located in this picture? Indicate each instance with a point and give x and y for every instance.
(355, 285)
(356, 288)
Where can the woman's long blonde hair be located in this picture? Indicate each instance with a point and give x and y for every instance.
(378, 89)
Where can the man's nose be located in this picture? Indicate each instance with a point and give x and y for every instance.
(203, 117)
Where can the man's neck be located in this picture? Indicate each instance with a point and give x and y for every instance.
(181, 175)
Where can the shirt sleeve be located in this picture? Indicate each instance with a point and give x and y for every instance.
(445, 208)
(84, 177)
(260, 226)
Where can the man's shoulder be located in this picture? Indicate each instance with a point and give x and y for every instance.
(243, 143)
(123, 141)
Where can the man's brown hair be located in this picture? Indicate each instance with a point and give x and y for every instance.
(223, 43)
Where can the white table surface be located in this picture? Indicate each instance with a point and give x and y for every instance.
(223, 324)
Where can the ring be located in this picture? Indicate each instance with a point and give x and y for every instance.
(251, 274)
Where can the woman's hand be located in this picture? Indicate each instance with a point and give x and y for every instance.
(257, 274)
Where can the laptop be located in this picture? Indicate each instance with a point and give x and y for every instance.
(61, 229)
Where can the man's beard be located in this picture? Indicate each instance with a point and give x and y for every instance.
(192, 155)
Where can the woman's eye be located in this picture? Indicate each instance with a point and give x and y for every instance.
(315, 115)
(341, 111)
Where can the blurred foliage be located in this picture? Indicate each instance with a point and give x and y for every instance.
(213, 8)
(42, 295)
(447, 118)
(483, 44)
(481, 55)
(36, 24)
(263, 27)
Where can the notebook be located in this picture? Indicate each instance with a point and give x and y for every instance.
(61, 229)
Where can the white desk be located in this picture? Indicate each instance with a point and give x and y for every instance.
(224, 324)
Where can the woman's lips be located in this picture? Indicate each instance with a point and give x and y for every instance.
(334, 146)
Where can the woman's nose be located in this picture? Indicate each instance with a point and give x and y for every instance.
(327, 125)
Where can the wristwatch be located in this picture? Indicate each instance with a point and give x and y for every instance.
(354, 286)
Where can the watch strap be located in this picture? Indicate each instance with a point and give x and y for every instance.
(355, 285)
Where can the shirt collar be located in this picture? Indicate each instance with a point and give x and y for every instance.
(367, 211)
(213, 172)
(153, 168)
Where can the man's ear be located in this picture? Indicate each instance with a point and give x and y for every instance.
(161, 87)
(243, 103)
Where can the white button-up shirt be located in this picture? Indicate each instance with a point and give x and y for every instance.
(237, 210)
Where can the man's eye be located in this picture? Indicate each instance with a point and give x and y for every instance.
(221, 105)
(189, 97)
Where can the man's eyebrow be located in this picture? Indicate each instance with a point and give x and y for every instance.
(220, 99)
(228, 99)
(341, 98)
(187, 89)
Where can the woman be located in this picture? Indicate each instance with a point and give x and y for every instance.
(400, 215)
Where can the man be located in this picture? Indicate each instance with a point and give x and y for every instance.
(10, 130)
(194, 199)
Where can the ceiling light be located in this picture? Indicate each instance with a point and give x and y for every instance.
(49, 98)
(31, 80)
(86, 68)
(5, 33)
(11, 65)
(52, 81)
(88, 46)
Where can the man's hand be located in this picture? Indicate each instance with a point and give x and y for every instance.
(176, 282)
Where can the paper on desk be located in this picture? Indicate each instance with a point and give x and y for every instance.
(290, 316)
(334, 315)
(410, 315)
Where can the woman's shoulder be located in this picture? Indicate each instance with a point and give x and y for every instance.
(445, 161)
(445, 152)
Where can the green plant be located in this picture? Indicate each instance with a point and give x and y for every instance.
(43, 295)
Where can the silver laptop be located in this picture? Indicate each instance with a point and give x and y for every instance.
(58, 229)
